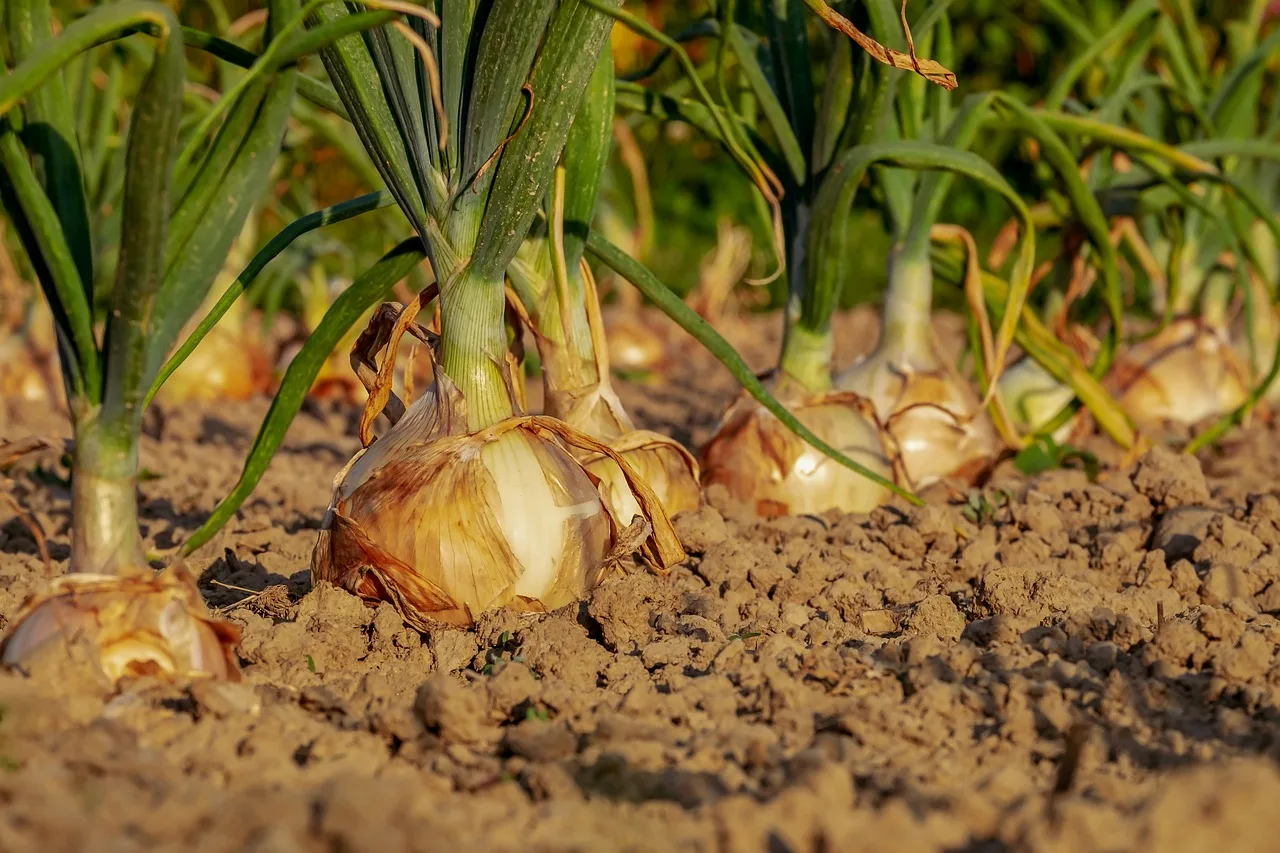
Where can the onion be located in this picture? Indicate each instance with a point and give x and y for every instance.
(446, 524)
(1185, 373)
(634, 345)
(28, 364)
(766, 466)
(136, 625)
(932, 417)
(229, 364)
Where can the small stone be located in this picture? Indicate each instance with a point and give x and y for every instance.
(877, 622)
(1170, 479)
(1180, 531)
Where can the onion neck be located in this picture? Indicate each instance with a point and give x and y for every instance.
(473, 346)
(906, 332)
(806, 358)
(104, 501)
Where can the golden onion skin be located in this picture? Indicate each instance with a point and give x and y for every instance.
(1186, 373)
(669, 469)
(766, 466)
(136, 626)
(446, 524)
(225, 366)
(21, 374)
(633, 344)
(934, 421)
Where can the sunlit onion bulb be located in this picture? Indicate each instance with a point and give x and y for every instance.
(661, 462)
(633, 344)
(1184, 374)
(136, 626)
(21, 374)
(229, 364)
(764, 465)
(934, 419)
(447, 524)
(28, 362)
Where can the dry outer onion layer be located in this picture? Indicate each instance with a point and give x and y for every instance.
(138, 625)
(766, 466)
(446, 524)
(1185, 373)
(933, 419)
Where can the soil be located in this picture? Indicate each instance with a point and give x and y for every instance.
(1076, 666)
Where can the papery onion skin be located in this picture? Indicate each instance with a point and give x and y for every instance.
(665, 465)
(934, 419)
(767, 467)
(225, 366)
(1186, 373)
(634, 345)
(138, 625)
(447, 524)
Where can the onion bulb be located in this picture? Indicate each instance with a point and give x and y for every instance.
(446, 524)
(135, 625)
(28, 362)
(663, 463)
(634, 345)
(229, 364)
(594, 408)
(766, 466)
(932, 417)
(1185, 373)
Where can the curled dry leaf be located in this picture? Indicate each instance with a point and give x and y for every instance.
(926, 68)
(661, 462)
(133, 626)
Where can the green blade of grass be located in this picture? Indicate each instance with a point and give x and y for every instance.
(835, 202)
(586, 156)
(354, 76)
(1059, 157)
(508, 44)
(775, 114)
(40, 233)
(1134, 15)
(316, 91)
(366, 291)
(684, 316)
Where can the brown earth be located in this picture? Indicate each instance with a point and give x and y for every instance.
(1088, 666)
